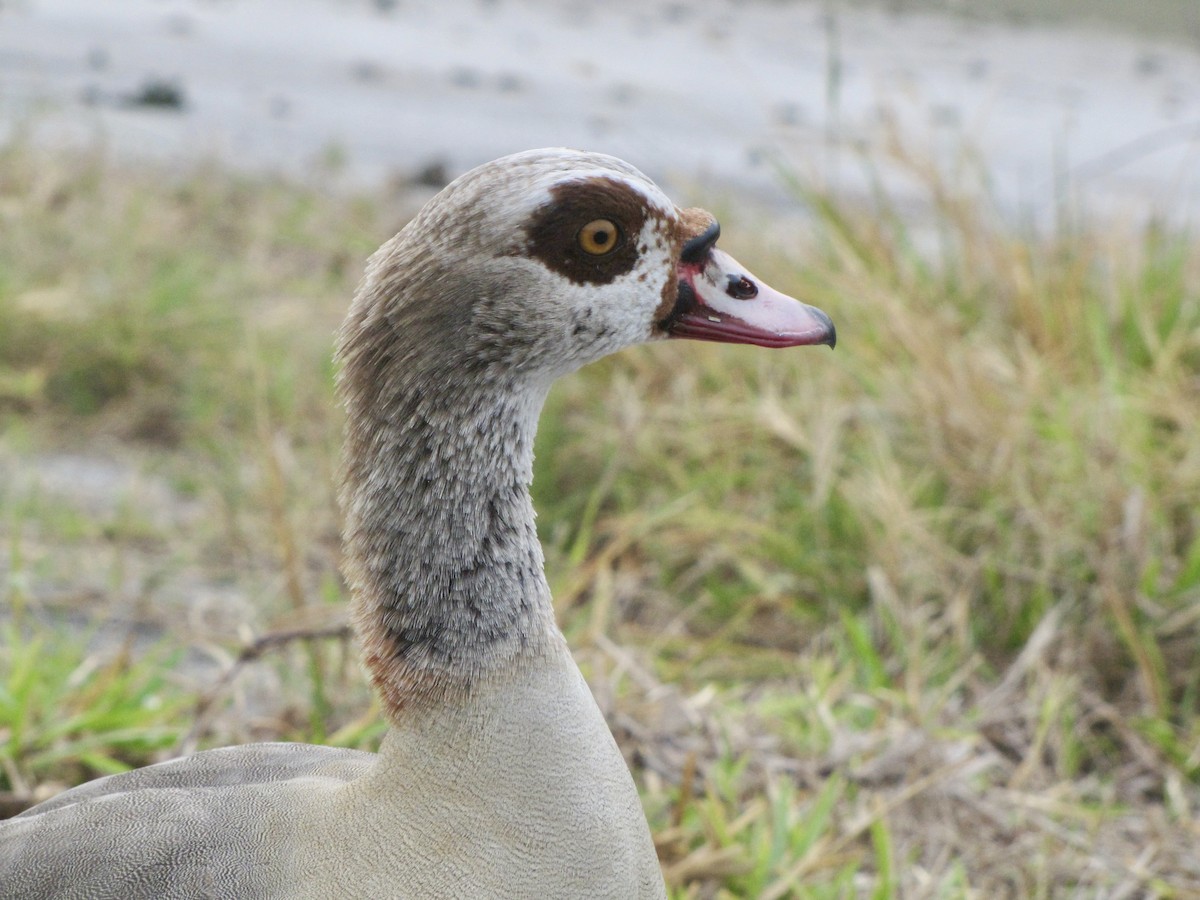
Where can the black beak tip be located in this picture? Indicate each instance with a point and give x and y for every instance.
(831, 339)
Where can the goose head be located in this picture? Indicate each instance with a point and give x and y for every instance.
(542, 261)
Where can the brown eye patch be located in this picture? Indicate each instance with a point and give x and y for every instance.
(563, 233)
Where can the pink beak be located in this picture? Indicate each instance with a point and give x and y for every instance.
(719, 300)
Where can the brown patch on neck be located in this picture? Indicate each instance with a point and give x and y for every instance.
(403, 685)
(414, 678)
(553, 234)
(691, 222)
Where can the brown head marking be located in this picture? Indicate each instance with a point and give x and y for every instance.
(553, 235)
(692, 222)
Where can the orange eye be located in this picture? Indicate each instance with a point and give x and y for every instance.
(599, 236)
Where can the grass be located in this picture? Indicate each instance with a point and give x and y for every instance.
(917, 618)
(68, 717)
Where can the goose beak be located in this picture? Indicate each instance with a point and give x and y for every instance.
(720, 300)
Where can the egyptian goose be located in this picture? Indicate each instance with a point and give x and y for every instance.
(498, 776)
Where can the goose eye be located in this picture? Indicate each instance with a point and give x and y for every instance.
(599, 236)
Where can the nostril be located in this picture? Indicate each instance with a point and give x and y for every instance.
(741, 288)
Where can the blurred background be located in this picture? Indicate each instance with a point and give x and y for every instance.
(1059, 97)
(917, 618)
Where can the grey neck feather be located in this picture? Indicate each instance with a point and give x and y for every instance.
(443, 554)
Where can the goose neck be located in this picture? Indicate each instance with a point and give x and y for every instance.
(443, 556)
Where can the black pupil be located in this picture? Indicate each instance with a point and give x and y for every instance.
(600, 237)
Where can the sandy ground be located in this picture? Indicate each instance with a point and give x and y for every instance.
(701, 94)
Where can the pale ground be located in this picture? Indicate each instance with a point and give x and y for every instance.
(703, 95)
